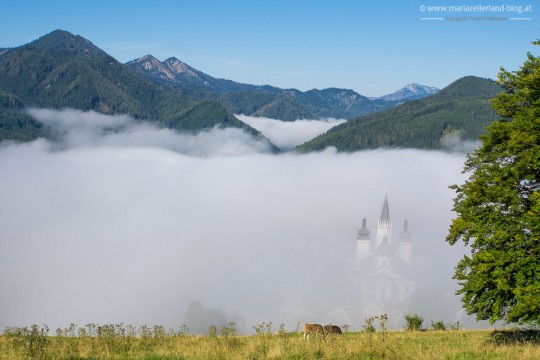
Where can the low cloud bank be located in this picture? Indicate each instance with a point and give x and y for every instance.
(455, 143)
(289, 134)
(146, 226)
(79, 129)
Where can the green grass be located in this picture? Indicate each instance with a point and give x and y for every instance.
(117, 342)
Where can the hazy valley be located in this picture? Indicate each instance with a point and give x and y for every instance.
(148, 196)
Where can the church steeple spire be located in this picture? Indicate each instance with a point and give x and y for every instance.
(384, 228)
(385, 215)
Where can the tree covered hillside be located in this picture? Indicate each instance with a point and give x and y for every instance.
(461, 110)
(62, 70)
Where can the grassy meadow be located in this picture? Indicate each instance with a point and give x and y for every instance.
(126, 342)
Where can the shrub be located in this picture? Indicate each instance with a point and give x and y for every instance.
(263, 328)
(229, 330)
(212, 331)
(414, 322)
(281, 330)
(381, 319)
(33, 342)
(439, 325)
(368, 326)
(183, 331)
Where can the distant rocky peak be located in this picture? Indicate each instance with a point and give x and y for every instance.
(178, 67)
(148, 62)
(417, 88)
(411, 92)
(144, 58)
(151, 64)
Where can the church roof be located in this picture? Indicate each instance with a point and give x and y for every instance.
(385, 215)
(397, 266)
(384, 272)
(363, 233)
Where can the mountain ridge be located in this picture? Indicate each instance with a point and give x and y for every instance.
(270, 101)
(62, 70)
(458, 112)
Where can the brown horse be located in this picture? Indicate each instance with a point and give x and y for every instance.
(332, 329)
(313, 329)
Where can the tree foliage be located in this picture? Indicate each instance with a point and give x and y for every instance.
(498, 207)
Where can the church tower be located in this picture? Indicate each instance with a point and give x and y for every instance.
(363, 242)
(384, 227)
(404, 250)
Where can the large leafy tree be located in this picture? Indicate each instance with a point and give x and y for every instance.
(498, 207)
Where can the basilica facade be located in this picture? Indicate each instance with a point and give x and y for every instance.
(383, 275)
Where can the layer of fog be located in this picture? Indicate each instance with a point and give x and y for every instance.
(118, 221)
(78, 129)
(289, 134)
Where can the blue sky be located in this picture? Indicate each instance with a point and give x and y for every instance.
(373, 47)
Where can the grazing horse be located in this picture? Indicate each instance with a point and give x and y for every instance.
(332, 329)
(313, 329)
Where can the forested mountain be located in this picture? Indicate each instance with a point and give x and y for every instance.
(340, 103)
(266, 100)
(62, 70)
(459, 111)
